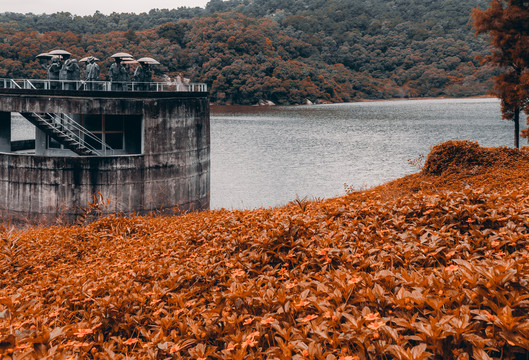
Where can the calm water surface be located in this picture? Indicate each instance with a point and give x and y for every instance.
(268, 156)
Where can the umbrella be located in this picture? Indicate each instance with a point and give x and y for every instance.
(86, 59)
(129, 61)
(44, 56)
(148, 60)
(63, 53)
(121, 55)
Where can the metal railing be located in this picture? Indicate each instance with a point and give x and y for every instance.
(81, 85)
(81, 134)
(71, 128)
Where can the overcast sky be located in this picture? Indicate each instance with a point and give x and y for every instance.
(89, 7)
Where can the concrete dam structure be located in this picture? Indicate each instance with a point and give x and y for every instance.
(137, 151)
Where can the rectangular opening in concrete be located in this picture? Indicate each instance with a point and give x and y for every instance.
(122, 133)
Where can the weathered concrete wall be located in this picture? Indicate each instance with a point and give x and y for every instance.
(33, 101)
(173, 171)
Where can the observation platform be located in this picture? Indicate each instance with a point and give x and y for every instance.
(81, 85)
(139, 147)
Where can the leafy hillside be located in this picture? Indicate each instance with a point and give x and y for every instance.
(433, 265)
(283, 51)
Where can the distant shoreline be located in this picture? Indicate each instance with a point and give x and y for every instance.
(430, 98)
(361, 101)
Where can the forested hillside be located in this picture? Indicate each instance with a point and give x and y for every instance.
(284, 51)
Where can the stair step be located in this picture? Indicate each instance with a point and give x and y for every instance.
(54, 127)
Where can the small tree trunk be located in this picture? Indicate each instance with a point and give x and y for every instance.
(517, 128)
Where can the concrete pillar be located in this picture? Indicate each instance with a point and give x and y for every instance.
(5, 131)
(40, 142)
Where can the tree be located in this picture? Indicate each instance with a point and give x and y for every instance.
(507, 24)
(375, 49)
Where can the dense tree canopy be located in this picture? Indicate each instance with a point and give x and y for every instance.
(284, 51)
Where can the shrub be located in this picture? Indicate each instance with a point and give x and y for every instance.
(438, 272)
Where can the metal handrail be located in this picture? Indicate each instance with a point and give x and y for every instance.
(11, 81)
(28, 84)
(77, 127)
(63, 129)
(82, 85)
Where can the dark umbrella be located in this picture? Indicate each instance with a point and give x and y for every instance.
(62, 53)
(121, 55)
(86, 59)
(148, 60)
(44, 56)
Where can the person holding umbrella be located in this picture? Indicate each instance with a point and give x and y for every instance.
(69, 71)
(53, 72)
(44, 60)
(143, 73)
(52, 69)
(118, 72)
(92, 72)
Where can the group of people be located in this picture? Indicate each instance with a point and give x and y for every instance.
(119, 75)
(70, 72)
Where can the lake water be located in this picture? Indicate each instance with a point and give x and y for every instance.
(268, 156)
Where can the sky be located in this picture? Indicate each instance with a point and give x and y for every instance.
(89, 7)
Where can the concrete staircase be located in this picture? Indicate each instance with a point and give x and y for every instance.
(67, 132)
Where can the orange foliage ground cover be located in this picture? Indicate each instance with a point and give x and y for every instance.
(433, 265)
